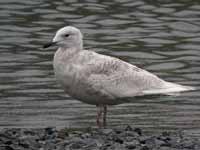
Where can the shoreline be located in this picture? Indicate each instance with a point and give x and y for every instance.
(126, 138)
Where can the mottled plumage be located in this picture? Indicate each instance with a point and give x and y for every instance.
(99, 79)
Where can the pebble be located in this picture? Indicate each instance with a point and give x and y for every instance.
(127, 138)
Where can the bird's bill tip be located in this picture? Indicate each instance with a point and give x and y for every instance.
(47, 45)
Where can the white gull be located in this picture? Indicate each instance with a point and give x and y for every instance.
(99, 79)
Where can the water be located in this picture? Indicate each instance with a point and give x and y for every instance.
(162, 37)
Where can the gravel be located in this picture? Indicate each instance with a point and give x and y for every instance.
(94, 139)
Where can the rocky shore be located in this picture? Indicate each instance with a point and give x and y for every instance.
(127, 138)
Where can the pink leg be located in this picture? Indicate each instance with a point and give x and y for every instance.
(104, 115)
(99, 113)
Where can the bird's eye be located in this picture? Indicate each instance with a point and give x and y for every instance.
(66, 35)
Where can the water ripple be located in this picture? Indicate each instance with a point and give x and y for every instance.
(160, 36)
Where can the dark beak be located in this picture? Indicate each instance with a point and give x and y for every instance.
(49, 44)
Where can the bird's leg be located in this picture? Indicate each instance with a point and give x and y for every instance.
(99, 113)
(104, 115)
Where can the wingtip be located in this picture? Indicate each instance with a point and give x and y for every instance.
(172, 88)
(189, 88)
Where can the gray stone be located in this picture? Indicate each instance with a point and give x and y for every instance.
(132, 145)
(187, 143)
(104, 139)
(138, 131)
(50, 130)
(167, 148)
(8, 147)
(144, 148)
(106, 131)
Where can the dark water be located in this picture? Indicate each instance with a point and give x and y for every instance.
(160, 36)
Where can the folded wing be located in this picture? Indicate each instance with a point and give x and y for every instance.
(120, 79)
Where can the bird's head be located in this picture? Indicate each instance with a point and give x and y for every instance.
(67, 37)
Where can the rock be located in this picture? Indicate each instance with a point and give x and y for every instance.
(29, 132)
(128, 128)
(104, 139)
(62, 134)
(7, 147)
(85, 135)
(165, 136)
(166, 148)
(106, 131)
(26, 142)
(8, 142)
(187, 143)
(132, 145)
(118, 140)
(77, 145)
(159, 142)
(143, 139)
(144, 148)
(50, 130)
(138, 131)
(118, 130)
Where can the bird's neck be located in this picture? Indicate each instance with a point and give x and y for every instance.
(69, 52)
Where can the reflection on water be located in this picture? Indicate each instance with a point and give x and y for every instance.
(162, 37)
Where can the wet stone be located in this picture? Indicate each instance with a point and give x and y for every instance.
(145, 148)
(118, 140)
(50, 130)
(8, 147)
(187, 144)
(143, 139)
(118, 130)
(138, 131)
(107, 131)
(166, 148)
(132, 145)
(102, 139)
(85, 135)
(159, 142)
(128, 128)
(9, 142)
(62, 134)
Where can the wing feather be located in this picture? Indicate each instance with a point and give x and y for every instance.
(118, 78)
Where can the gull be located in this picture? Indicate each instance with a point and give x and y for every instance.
(101, 80)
